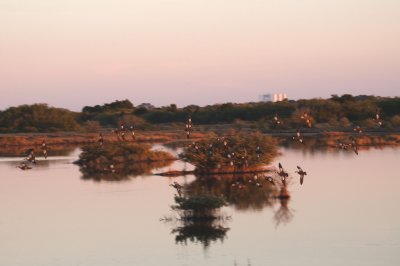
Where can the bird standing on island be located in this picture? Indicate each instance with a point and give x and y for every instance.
(100, 140)
(258, 152)
(378, 119)
(270, 179)
(188, 127)
(132, 129)
(358, 129)
(298, 137)
(353, 145)
(44, 149)
(307, 119)
(277, 121)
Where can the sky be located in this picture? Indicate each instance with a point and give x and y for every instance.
(85, 52)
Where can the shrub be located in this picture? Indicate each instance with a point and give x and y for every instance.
(233, 153)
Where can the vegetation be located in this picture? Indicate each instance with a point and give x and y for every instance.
(115, 161)
(37, 118)
(203, 232)
(240, 152)
(335, 113)
(201, 206)
(200, 221)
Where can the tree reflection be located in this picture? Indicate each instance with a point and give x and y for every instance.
(248, 196)
(121, 172)
(20, 151)
(204, 232)
(283, 215)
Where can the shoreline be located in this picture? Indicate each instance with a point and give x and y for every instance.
(373, 138)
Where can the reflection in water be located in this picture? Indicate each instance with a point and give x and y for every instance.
(203, 232)
(20, 151)
(283, 215)
(200, 218)
(248, 196)
(49, 216)
(122, 172)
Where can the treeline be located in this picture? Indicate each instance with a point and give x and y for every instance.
(335, 112)
(38, 118)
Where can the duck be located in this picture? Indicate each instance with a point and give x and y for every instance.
(358, 129)
(258, 152)
(298, 137)
(378, 118)
(31, 156)
(270, 179)
(353, 145)
(301, 173)
(283, 174)
(307, 118)
(132, 129)
(44, 148)
(101, 139)
(277, 121)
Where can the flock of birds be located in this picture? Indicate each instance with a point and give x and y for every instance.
(30, 160)
(282, 174)
(121, 133)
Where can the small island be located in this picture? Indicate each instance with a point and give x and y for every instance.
(116, 161)
(239, 153)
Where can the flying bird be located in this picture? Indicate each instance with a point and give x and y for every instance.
(283, 174)
(31, 156)
(301, 173)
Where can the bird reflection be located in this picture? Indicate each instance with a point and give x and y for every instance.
(283, 215)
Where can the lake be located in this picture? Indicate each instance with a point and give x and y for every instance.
(347, 212)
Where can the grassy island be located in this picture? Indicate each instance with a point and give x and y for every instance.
(239, 153)
(117, 160)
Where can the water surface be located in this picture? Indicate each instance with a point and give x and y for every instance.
(347, 212)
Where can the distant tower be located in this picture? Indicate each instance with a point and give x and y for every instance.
(275, 97)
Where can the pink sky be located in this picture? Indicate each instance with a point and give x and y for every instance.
(84, 52)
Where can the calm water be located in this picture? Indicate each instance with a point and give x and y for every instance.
(346, 213)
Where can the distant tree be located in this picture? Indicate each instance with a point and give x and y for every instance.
(37, 118)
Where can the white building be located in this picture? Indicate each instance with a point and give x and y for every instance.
(273, 97)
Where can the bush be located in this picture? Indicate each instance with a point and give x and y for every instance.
(230, 154)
